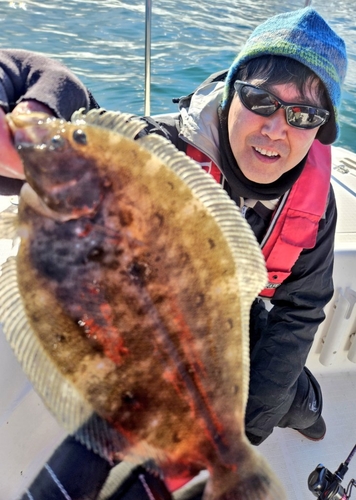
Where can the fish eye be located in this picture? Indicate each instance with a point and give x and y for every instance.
(56, 142)
(79, 136)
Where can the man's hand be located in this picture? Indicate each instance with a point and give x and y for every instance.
(10, 161)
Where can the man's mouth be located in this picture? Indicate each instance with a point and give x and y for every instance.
(266, 152)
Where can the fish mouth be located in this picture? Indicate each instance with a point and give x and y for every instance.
(31, 199)
(25, 128)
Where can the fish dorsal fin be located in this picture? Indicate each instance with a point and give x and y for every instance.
(126, 124)
(61, 397)
(246, 252)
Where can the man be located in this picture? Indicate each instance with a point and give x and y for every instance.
(263, 132)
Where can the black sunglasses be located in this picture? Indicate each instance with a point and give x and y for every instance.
(264, 103)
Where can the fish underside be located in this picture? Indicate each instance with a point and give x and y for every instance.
(128, 301)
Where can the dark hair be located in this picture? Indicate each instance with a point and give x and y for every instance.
(270, 70)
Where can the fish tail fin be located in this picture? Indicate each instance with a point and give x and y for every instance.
(252, 478)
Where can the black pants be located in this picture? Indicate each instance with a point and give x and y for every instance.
(306, 407)
(307, 404)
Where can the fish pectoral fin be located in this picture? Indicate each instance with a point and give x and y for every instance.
(36, 203)
(8, 223)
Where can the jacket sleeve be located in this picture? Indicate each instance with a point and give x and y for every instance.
(280, 354)
(28, 75)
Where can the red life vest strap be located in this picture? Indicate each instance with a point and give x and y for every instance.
(297, 225)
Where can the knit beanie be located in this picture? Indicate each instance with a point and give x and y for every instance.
(302, 35)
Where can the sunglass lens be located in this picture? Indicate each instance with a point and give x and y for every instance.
(259, 101)
(304, 117)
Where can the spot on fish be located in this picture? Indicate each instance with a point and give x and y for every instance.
(176, 438)
(127, 398)
(184, 258)
(230, 324)
(60, 338)
(132, 406)
(199, 300)
(96, 254)
(139, 271)
(211, 243)
(158, 219)
(125, 217)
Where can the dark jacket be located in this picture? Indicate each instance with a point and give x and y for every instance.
(280, 339)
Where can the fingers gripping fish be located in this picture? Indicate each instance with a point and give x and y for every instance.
(128, 302)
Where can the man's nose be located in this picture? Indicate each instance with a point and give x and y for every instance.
(275, 126)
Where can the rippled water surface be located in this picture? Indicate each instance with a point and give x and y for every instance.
(102, 41)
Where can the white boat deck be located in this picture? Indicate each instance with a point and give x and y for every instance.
(293, 457)
(29, 434)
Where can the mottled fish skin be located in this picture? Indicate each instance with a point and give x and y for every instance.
(140, 298)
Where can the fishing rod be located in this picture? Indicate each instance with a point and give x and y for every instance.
(148, 22)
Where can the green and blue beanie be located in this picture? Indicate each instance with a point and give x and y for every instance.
(302, 35)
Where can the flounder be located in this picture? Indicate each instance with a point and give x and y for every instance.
(128, 302)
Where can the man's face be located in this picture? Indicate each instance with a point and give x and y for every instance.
(267, 147)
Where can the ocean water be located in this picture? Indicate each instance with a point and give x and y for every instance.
(103, 42)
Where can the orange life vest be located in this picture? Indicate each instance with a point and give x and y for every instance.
(295, 224)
